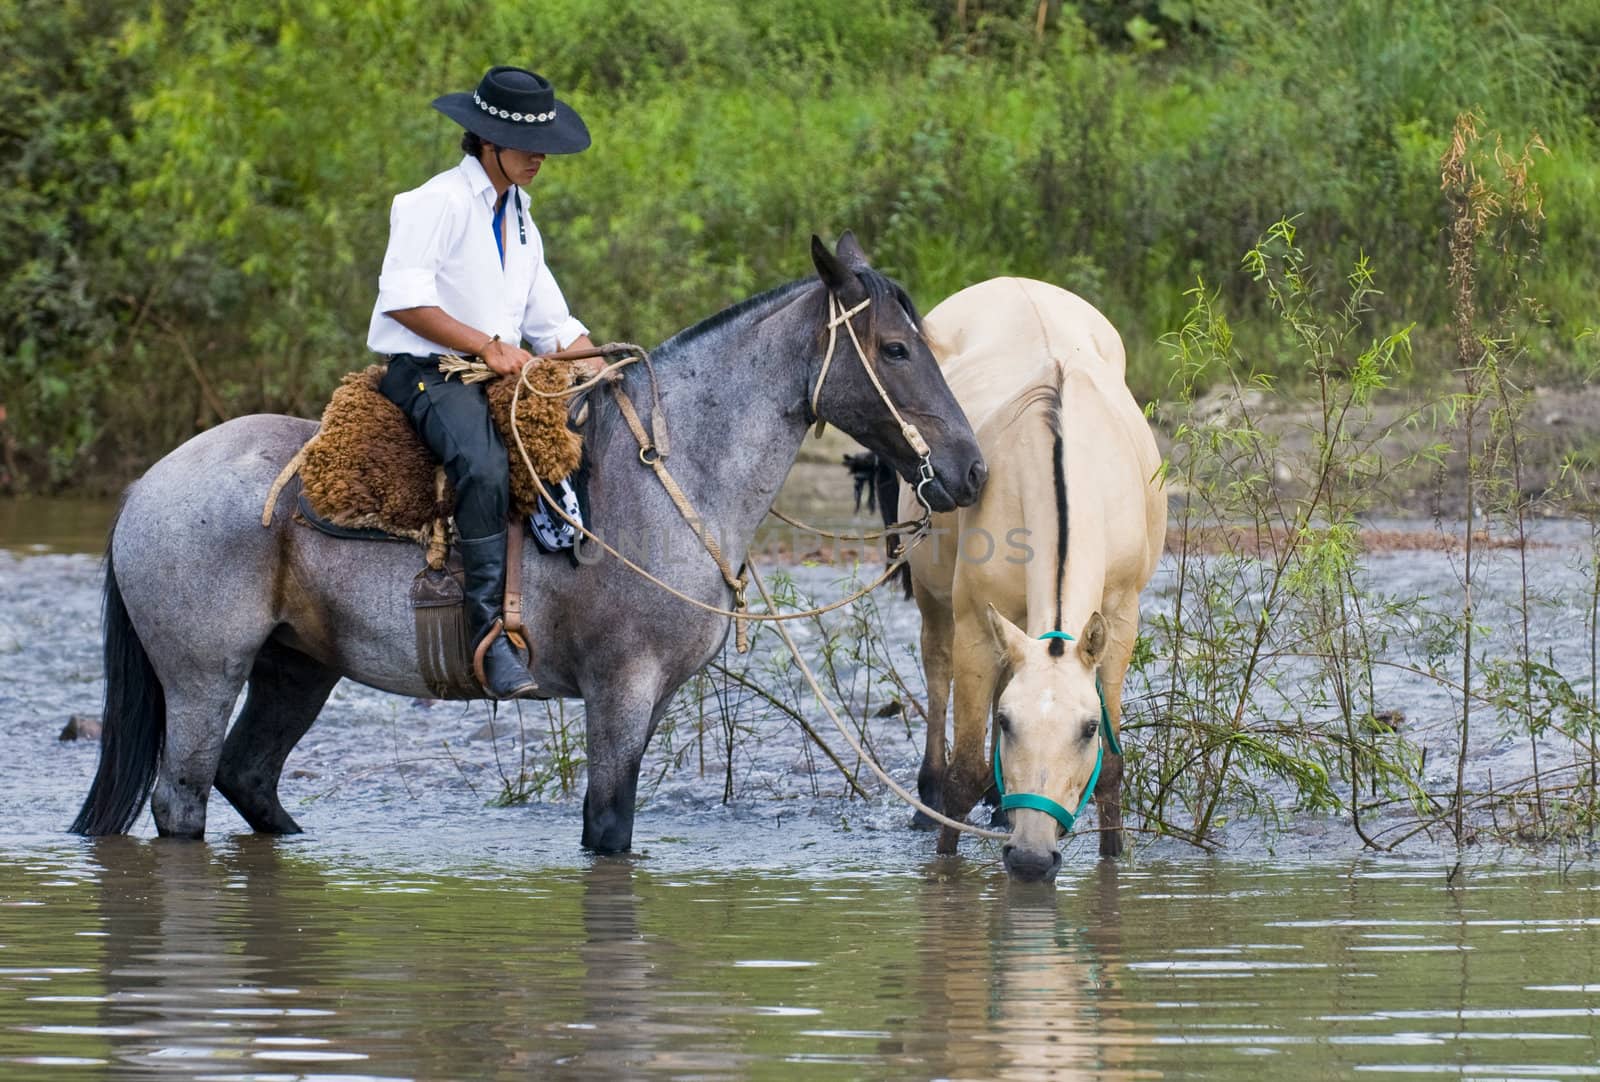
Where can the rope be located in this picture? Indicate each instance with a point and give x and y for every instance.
(290, 468)
(470, 371)
(850, 738)
(918, 534)
(653, 457)
(875, 535)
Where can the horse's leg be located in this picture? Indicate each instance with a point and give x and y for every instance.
(619, 718)
(937, 629)
(286, 692)
(1124, 628)
(198, 706)
(968, 772)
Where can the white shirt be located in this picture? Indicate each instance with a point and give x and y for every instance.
(442, 254)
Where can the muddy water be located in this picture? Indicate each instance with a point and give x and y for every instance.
(420, 931)
(56, 524)
(260, 959)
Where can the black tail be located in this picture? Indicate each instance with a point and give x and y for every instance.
(133, 726)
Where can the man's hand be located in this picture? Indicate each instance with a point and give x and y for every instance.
(505, 359)
(437, 325)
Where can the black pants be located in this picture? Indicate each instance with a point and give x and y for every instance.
(453, 420)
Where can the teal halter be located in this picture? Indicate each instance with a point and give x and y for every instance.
(1033, 801)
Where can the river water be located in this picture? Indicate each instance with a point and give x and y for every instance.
(254, 958)
(424, 928)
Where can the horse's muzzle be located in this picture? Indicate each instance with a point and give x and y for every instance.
(956, 483)
(972, 486)
(1031, 865)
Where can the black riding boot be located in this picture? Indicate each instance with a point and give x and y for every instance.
(484, 561)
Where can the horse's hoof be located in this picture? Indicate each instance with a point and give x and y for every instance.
(923, 821)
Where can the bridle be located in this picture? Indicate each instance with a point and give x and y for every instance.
(1036, 802)
(839, 315)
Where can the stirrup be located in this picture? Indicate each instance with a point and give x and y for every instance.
(528, 691)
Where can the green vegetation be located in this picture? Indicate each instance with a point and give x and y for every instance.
(194, 195)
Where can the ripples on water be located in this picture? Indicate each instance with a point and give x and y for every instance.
(257, 959)
(418, 934)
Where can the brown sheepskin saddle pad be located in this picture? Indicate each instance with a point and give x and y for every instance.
(366, 468)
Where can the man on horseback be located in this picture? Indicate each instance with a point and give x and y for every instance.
(445, 288)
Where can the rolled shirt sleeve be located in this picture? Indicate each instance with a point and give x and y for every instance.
(422, 227)
(547, 322)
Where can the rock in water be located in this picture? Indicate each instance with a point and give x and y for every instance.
(81, 728)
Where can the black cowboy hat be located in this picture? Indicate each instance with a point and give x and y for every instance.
(517, 109)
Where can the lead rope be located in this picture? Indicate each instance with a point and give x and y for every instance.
(855, 745)
(652, 452)
(838, 314)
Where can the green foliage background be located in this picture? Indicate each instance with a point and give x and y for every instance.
(194, 196)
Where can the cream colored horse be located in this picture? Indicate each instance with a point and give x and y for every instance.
(1065, 535)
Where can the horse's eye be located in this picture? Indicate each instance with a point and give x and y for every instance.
(1087, 732)
(1004, 721)
(895, 351)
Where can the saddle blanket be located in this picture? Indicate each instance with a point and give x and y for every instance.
(367, 469)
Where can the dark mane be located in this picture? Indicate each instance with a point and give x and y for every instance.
(1046, 398)
(881, 290)
(728, 315)
(603, 411)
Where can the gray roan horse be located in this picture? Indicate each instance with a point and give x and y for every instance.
(201, 600)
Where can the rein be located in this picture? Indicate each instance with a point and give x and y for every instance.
(1036, 802)
(653, 451)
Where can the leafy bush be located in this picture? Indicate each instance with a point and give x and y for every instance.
(196, 193)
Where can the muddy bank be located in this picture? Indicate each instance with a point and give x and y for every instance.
(1418, 443)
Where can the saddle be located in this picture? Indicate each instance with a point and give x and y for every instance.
(366, 468)
(366, 474)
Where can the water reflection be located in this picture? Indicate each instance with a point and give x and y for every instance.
(256, 959)
(1019, 981)
(203, 955)
(625, 986)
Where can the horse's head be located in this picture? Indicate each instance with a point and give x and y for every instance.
(1051, 737)
(879, 365)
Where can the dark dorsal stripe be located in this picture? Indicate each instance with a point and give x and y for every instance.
(1058, 646)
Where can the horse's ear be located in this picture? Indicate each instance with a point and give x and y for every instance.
(850, 253)
(840, 279)
(1092, 642)
(1008, 637)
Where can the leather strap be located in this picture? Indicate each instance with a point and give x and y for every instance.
(651, 454)
(513, 599)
